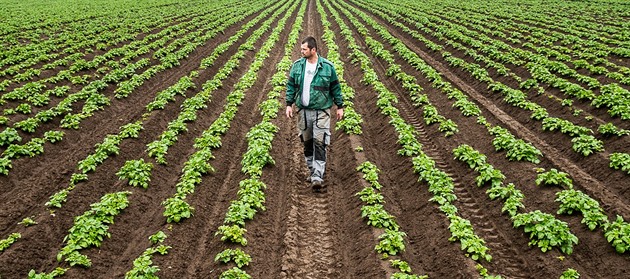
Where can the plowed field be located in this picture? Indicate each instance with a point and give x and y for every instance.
(302, 234)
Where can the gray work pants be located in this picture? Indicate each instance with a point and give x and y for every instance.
(314, 131)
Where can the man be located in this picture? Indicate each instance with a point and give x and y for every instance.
(313, 86)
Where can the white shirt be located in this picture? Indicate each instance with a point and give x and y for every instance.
(309, 73)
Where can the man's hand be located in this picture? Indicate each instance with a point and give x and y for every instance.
(289, 111)
(339, 113)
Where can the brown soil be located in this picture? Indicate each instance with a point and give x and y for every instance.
(304, 234)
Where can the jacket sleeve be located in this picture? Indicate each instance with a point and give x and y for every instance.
(290, 97)
(335, 89)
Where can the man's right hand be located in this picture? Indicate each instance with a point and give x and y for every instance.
(289, 111)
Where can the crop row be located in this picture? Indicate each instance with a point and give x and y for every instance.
(582, 142)
(251, 196)
(540, 66)
(96, 101)
(516, 149)
(176, 208)
(109, 147)
(391, 241)
(440, 184)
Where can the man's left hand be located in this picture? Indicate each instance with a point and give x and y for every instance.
(339, 113)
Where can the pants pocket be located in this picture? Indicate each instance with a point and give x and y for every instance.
(301, 119)
(323, 119)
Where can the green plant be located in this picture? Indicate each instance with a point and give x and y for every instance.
(448, 127)
(55, 273)
(259, 143)
(378, 217)
(142, 266)
(28, 221)
(545, 231)
(401, 265)
(400, 275)
(391, 243)
(9, 136)
(131, 130)
(517, 149)
(58, 198)
(351, 122)
(252, 195)
(469, 155)
(370, 173)
(239, 257)
(572, 200)
(5, 165)
(617, 161)
(462, 231)
(5, 243)
(484, 273)
(158, 237)
(370, 196)
(487, 173)
(27, 125)
(609, 129)
(23, 108)
(78, 177)
(553, 177)
(176, 209)
(617, 233)
(564, 126)
(238, 212)
(233, 233)
(587, 145)
(567, 103)
(137, 172)
(513, 198)
(91, 228)
(53, 136)
(570, 274)
(467, 107)
(234, 273)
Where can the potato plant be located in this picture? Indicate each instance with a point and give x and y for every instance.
(137, 172)
(143, 267)
(239, 257)
(545, 231)
(620, 161)
(576, 201)
(91, 228)
(617, 233)
(553, 177)
(5, 243)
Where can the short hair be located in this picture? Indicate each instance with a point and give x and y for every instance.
(310, 42)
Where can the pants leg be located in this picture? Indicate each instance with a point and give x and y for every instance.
(314, 128)
(305, 130)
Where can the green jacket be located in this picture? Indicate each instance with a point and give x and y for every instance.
(325, 86)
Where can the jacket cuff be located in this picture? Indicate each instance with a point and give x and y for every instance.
(289, 104)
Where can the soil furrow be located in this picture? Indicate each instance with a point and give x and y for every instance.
(106, 179)
(302, 234)
(93, 130)
(594, 187)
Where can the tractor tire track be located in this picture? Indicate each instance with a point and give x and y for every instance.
(508, 258)
(309, 239)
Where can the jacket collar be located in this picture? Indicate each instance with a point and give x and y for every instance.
(319, 61)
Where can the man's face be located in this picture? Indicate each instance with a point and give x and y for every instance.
(306, 52)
